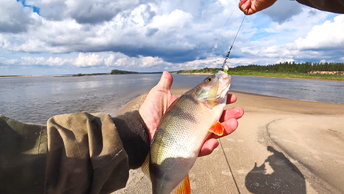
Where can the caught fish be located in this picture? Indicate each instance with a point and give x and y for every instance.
(185, 126)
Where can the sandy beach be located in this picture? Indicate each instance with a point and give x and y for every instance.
(280, 146)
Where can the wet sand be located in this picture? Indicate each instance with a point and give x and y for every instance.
(280, 146)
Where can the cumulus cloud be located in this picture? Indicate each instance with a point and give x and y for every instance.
(294, 39)
(84, 12)
(281, 11)
(167, 29)
(111, 59)
(108, 59)
(16, 18)
(174, 21)
(324, 42)
(326, 35)
(162, 34)
(84, 60)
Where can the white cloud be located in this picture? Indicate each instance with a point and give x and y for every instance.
(156, 35)
(15, 18)
(84, 60)
(149, 29)
(109, 59)
(174, 21)
(8, 61)
(326, 35)
(274, 42)
(57, 61)
(282, 11)
(86, 11)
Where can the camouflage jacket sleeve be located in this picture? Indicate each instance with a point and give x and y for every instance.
(23, 149)
(81, 152)
(336, 6)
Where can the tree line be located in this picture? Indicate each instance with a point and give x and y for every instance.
(292, 67)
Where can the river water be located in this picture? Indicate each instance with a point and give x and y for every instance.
(35, 99)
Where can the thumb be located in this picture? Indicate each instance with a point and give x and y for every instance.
(166, 81)
(244, 5)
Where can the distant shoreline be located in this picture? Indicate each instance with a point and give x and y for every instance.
(21, 76)
(208, 73)
(271, 76)
(292, 77)
(76, 75)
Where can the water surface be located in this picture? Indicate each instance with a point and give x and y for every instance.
(35, 99)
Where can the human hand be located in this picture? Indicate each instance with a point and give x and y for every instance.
(229, 120)
(156, 103)
(160, 98)
(252, 6)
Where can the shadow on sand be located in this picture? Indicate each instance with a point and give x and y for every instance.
(276, 175)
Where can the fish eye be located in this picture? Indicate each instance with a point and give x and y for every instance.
(208, 79)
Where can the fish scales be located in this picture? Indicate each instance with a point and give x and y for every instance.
(183, 129)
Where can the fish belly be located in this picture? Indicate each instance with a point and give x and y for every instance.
(177, 143)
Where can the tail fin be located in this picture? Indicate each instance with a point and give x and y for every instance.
(183, 187)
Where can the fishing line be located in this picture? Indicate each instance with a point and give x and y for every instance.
(225, 68)
(229, 166)
(224, 25)
(233, 9)
(230, 48)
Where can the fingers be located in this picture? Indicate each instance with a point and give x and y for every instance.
(231, 98)
(244, 6)
(229, 120)
(236, 113)
(208, 147)
(230, 126)
(166, 81)
(252, 6)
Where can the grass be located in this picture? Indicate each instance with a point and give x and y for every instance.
(289, 75)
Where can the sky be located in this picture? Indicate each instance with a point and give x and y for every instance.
(49, 37)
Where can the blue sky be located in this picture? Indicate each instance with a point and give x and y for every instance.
(45, 37)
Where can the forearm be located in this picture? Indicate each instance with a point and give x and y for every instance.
(94, 152)
(77, 153)
(23, 151)
(133, 133)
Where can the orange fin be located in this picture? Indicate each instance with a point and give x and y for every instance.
(217, 128)
(183, 187)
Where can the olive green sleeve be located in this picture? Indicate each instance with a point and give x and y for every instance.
(93, 153)
(23, 149)
(74, 153)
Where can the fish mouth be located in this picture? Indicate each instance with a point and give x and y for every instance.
(225, 77)
(224, 86)
(228, 80)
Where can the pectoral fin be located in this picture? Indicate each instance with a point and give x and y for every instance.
(183, 187)
(217, 128)
(210, 104)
